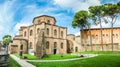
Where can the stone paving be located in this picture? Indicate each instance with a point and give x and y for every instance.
(22, 62)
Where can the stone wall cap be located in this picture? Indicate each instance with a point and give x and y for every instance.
(102, 28)
(70, 35)
(20, 39)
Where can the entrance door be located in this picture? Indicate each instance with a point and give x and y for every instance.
(55, 51)
(55, 48)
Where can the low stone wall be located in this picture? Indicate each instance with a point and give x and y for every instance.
(98, 47)
(4, 59)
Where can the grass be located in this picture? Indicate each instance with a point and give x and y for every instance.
(49, 57)
(29, 57)
(59, 57)
(100, 52)
(99, 61)
(13, 63)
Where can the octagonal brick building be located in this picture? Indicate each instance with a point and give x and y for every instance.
(55, 37)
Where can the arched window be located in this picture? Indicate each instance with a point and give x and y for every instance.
(117, 35)
(48, 21)
(61, 33)
(55, 45)
(21, 47)
(55, 32)
(76, 49)
(106, 34)
(31, 32)
(30, 46)
(61, 45)
(47, 31)
(38, 30)
(47, 45)
(39, 21)
(103, 35)
(73, 38)
(24, 33)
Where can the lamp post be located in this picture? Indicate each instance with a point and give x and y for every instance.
(21, 48)
(20, 44)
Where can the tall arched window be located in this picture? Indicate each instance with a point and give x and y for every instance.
(47, 31)
(55, 32)
(38, 30)
(61, 33)
(30, 46)
(76, 49)
(31, 32)
(61, 45)
(48, 21)
(47, 45)
(39, 21)
(21, 47)
(55, 45)
(24, 33)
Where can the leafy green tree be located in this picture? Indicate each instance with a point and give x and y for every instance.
(81, 21)
(96, 14)
(118, 8)
(6, 40)
(111, 13)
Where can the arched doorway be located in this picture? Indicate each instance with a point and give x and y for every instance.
(21, 47)
(55, 48)
(76, 49)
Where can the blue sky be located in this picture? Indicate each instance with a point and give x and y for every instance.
(16, 13)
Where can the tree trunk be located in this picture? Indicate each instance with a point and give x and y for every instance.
(90, 39)
(82, 37)
(101, 35)
(6, 49)
(112, 35)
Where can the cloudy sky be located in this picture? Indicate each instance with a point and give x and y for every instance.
(16, 13)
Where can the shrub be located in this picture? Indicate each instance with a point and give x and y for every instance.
(25, 57)
(81, 55)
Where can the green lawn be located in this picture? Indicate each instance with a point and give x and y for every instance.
(59, 57)
(50, 57)
(29, 57)
(99, 61)
(13, 63)
(100, 52)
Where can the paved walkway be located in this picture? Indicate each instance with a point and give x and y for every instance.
(23, 63)
(86, 56)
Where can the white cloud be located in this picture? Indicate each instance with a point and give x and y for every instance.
(6, 12)
(6, 16)
(104, 25)
(31, 11)
(77, 5)
(78, 33)
(18, 25)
